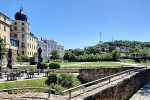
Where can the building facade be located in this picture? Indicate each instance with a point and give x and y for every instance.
(5, 29)
(48, 46)
(17, 35)
(21, 37)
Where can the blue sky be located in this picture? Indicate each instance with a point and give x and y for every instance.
(77, 23)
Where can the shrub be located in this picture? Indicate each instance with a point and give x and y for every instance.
(52, 78)
(66, 80)
(54, 65)
(44, 65)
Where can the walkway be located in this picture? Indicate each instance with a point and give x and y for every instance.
(22, 78)
(142, 94)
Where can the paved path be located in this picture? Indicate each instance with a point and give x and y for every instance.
(137, 65)
(22, 78)
(142, 94)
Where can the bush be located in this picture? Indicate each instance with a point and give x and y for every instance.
(44, 65)
(54, 65)
(66, 80)
(52, 78)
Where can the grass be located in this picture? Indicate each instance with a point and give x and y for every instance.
(35, 83)
(93, 64)
(101, 64)
(81, 65)
(68, 63)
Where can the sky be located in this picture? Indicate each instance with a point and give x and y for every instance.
(78, 23)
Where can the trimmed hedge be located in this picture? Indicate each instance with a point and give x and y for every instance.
(54, 65)
(44, 65)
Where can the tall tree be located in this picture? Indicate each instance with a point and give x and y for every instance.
(54, 54)
(4, 49)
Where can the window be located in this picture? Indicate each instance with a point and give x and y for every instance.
(30, 53)
(15, 28)
(4, 28)
(4, 39)
(22, 23)
(15, 23)
(22, 28)
(22, 44)
(22, 35)
(15, 35)
(4, 19)
(28, 45)
(22, 52)
(14, 42)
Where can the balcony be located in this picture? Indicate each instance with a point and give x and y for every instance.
(22, 45)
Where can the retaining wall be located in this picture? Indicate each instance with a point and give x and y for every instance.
(123, 90)
(88, 75)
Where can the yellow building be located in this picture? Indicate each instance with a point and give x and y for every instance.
(17, 36)
(5, 29)
(21, 37)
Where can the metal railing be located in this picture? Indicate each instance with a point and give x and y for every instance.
(101, 79)
(43, 88)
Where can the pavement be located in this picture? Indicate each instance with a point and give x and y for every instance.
(22, 78)
(142, 94)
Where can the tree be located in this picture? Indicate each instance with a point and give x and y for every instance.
(4, 49)
(67, 55)
(22, 58)
(115, 55)
(54, 54)
(35, 54)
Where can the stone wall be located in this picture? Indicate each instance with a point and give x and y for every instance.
(123, 90)
(88, 75)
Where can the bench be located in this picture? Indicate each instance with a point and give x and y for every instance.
(30, 74)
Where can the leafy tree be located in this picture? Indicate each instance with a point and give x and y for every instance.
(22, 58)
(35, 55)
(54, 54)
(67, 56)
(115, 55)
(4, 49)
(52, 78)
(66, 80)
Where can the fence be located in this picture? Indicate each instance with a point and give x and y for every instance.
(43, 88)
(101, 79)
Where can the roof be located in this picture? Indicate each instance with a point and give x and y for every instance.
(4, 15)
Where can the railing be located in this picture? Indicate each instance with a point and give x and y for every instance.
(43, 88)
(101, 79)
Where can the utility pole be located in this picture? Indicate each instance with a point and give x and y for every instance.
(100, 42)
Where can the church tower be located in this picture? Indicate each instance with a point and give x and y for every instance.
(21, 37)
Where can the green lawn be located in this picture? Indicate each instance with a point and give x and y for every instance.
(92, 64)
(101, 64)
(80, 65)
(68, 63)
(35, 83)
